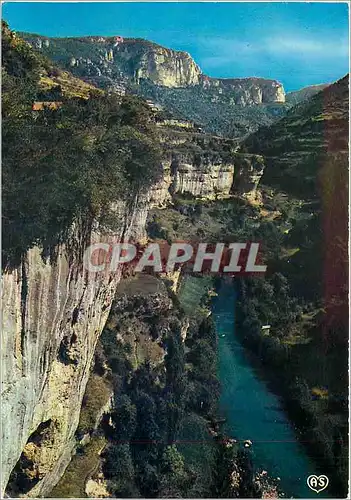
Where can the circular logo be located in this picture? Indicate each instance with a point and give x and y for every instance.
(317, 483)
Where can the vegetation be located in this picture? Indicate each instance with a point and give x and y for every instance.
(304, 298)
(216, 113)
(71, 164)
(81, 468)
(68, 164)
(312, 371)
(159, 438)
(155, 403)
(96, 397)
(296, 146)
(305, 93)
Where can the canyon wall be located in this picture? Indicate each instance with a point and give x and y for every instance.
(246, 91)
(184, 174)
(215, 181)
(53, 313)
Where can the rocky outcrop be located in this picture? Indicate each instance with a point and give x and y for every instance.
(165, 67)
(246, 91)
(53, 313)
(194, 163)
(239, 177)
(231, 107)
(207, 176)
(214, 181)
(250, 169)
(187, 177)
(160, 195)
(125, 59)
(97, 488)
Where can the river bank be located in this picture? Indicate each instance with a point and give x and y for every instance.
(304, 369)
(253, 411)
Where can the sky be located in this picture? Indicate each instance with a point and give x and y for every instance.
(298, 44)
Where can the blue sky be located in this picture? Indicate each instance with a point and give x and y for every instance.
(298, 44)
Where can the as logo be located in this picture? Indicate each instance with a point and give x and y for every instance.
(317, 483)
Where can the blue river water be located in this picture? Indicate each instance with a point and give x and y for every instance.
(253, 412)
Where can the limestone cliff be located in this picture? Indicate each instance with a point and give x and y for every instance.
(186, 177)
(203, 166)
(250, 169)
(53, 315)
(202, 181)
(163, 66)
(120, 59)
(239, 177)
(246, 91)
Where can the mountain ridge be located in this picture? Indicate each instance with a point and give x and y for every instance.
(34, 39)
(231, 107)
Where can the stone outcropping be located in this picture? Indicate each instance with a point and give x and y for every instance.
(167, 67)
(227, 107)
(207, 179)
(53, 313)
(246, 91)
(250, 169)
(188, 178)
(214, 181)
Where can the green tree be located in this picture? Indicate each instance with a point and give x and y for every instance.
(124, 419)
(173, 473)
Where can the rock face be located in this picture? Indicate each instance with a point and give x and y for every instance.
(240, 177)
(53, 315)
(165, 67)
(97, 488)
(246, 91)
(250, 169)
(188, 178)
(191, 168)
(160, 195)
(203, 166)
(214, 181)
(126, 59)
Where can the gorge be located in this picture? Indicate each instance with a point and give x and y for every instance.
(118, 166)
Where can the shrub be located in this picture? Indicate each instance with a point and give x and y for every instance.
(97, 394)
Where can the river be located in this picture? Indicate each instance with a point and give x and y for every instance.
(253, 412)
